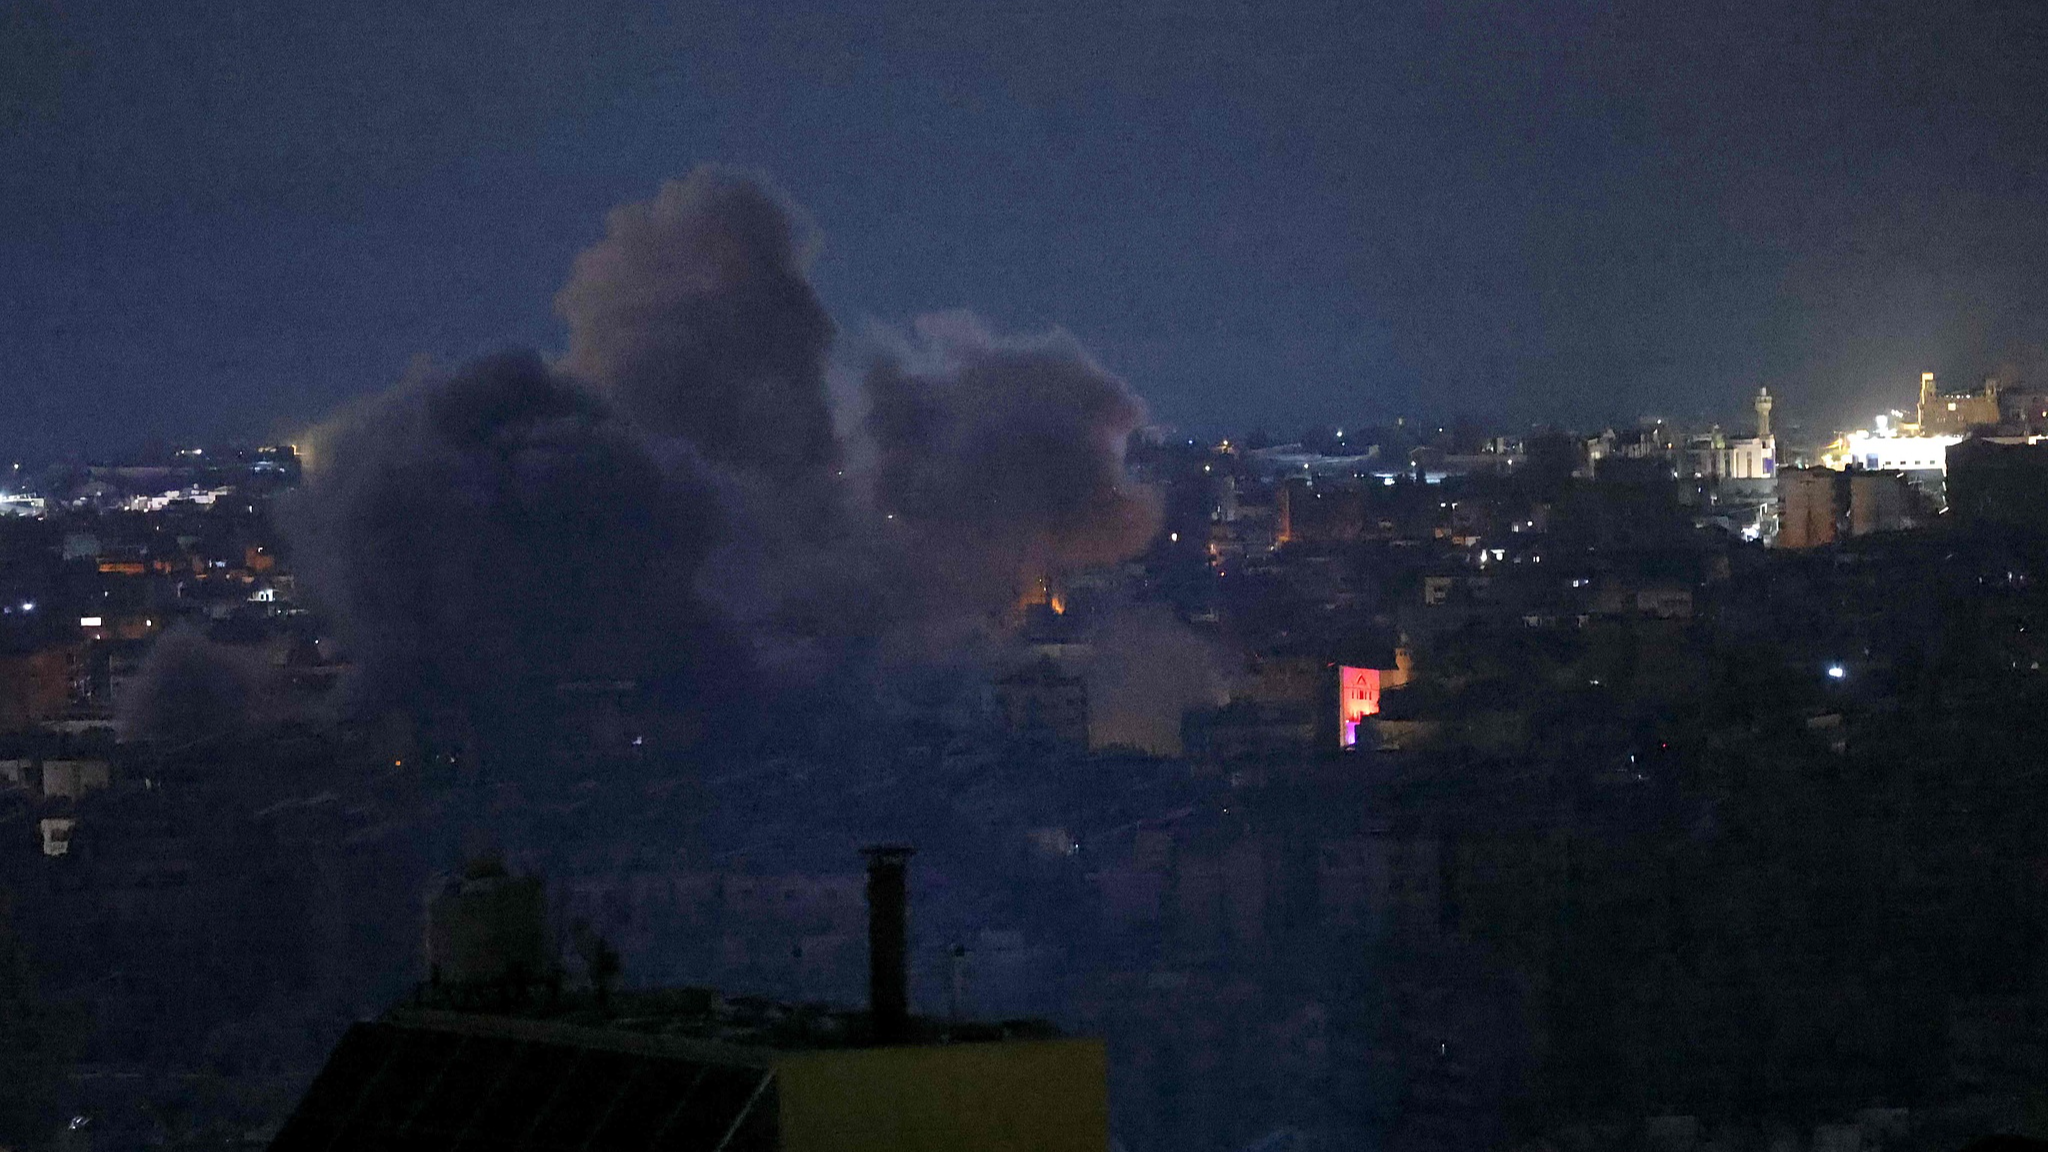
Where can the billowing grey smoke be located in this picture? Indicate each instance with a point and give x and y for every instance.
(485, 537)
(1000, 462)
(1144, 672)
(695, 316)
(191, 690)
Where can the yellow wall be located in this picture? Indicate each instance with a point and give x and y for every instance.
(1049, 1095)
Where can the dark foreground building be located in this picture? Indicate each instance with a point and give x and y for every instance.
(495, 1066)
(423, 1079)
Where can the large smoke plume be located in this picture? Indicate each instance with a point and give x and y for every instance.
(695, 315)
(999, 463)
(486, 535)
(670, 498)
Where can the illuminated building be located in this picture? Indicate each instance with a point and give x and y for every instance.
(1358, 696)
(1715, 457)
(1920, 446)
(1286, 703)
(1886, 451)
(1943, 413)
(1752, 460)
(20, 504)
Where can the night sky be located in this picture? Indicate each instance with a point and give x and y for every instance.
(222, 219)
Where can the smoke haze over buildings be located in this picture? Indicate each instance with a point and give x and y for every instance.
(483, 535)
(668, 498)
(1001, 461)
(1147, 671)
(191, 689)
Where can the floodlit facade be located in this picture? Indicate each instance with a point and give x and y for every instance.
(1879, 452)
(1358, 696)
(1952, 413)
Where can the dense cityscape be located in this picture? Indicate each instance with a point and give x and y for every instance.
(1075, 576)
(1418, 785)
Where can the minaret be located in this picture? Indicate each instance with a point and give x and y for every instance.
(1926, 397)
(1763, 413)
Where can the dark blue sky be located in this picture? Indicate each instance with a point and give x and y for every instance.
(224, 218)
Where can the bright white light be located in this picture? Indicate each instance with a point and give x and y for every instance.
(28, 605)
(90, 621)
(1836, 672)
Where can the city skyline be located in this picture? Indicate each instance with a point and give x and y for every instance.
(236, 222)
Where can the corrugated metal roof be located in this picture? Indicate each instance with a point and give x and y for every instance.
(423, 1083)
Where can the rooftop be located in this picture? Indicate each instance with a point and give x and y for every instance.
(701, 1015)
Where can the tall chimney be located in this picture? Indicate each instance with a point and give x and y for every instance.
(888, 921)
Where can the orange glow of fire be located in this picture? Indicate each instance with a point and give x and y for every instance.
(1037, 590)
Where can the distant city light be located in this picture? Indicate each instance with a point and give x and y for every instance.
(90, 621)
(1837, 672)
(28, 605)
